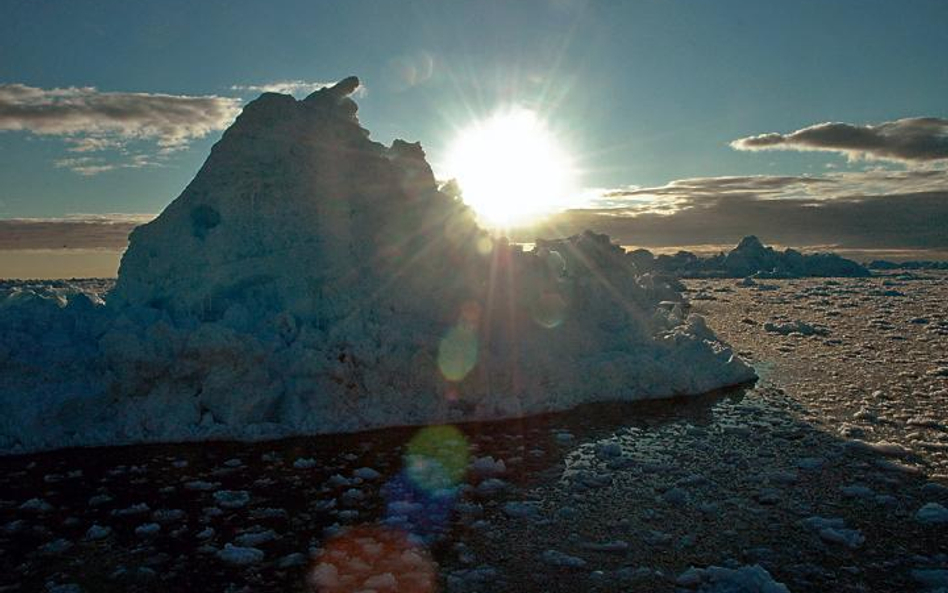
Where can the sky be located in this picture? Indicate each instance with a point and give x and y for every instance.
(111, 107)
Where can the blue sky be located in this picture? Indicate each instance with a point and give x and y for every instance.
(646, 91)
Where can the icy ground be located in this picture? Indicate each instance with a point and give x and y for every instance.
(830, 475)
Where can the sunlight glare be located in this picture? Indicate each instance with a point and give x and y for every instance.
(511, 168)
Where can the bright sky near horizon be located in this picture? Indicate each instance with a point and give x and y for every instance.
(112, 106)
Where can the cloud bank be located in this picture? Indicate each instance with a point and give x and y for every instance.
(876, 209)
(909, 140)
(91, 120)
(77, 231)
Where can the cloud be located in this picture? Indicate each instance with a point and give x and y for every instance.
(871, 209)
(76, 231)
(89, 166)
(909, 140)
(92, 121)
(286, 87)
(876, 209)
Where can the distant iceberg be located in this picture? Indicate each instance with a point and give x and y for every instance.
(310, 280)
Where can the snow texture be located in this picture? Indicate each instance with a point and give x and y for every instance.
(310, 280)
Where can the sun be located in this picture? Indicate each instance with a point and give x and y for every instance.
(511, 168)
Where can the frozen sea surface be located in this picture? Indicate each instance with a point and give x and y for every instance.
(811, 481)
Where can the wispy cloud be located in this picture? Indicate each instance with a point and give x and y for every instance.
(297, 88)
(89, 165)
(91, 120)
(909, 140)
(683, 193)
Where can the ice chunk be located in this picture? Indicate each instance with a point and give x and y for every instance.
(147, 529)
(96, 532)
(366, 473)
(232, 499)
(717, 579)
(240, 556)
(232, 315)
(932, 514)
(555, 558)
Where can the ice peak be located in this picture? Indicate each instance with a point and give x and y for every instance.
(750, 243)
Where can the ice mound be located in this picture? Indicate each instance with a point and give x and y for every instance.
(751, 258)
(311, 280)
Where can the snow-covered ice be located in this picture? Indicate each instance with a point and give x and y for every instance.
(97, 532)
(556, 558)
(717, 579)
(147, 529)
(232, 499)
(304, 463)
(834, 531)
(310, 280)
(239, 555)
(932, 513)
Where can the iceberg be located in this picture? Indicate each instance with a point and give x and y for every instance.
(311, 280)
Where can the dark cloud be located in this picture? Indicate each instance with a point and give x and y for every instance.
(91, 120)
(94, 231)
(914, 139)
(873, 209)
(876, 209)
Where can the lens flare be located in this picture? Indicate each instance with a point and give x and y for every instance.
(414, 510)
(457, 352)
(372, 558)
(437, 457)
(511, 168)
(484, 245)
(549, 310)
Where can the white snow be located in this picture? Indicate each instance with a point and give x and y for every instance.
(309, 280)
(882, 447)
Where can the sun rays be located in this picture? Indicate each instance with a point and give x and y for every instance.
(512, 168)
